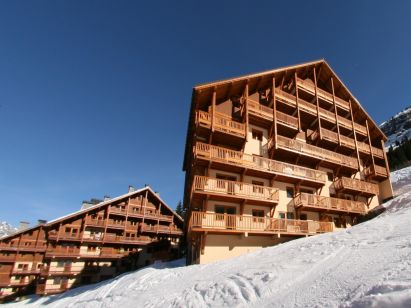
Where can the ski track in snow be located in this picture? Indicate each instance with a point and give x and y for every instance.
(368, 265)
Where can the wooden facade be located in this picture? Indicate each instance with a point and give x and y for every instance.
(289, 152)
(90, 245)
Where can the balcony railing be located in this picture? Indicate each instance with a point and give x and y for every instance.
(160, 229)
(64, 235)
(26, 245)
(63, 251)
(360, 128)
(263, 225)
(375, 170)
(327, 203)
(365, 148)
(310, 87)
(313, 151)
(223, 155)
(356, 185)
(222, 123)
(95, 222)
(234, 189)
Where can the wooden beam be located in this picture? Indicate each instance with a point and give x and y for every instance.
(355, 135)
(335, 111)
(274, 115)
(213, 107)
(296, 101)
(369, 141)
(246, 110)
(387, 167)
(318, 105)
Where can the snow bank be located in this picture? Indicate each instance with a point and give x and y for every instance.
(368, 265)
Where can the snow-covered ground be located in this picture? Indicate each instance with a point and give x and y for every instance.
(368, 265)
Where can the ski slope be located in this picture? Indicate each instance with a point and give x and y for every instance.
(368, 265)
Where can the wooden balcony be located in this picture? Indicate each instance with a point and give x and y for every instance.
(116, 224)
(54, 235)
(309, 87)
(222, 123)
(325, 114)
(356, 186)
(150, 213)
(228, 190)
(264, 112)
(138, 240)
(24, 245)
(7, 258)
(225, 223)
(365, 148)
(333, 137)
(375, 171)
(284, 171)
(327, 204)
(41, 289)
(118, 210)
(68, 251)
(95, 222)
(303, 148)
(162, 229)
(25, 271)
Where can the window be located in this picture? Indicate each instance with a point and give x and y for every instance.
(290, 192)
(60, 263)
(330, 176)
(91, 248)
(221, 210)
(258, 215)
(303, 216)
(256, 188)
(286, 215)
(257, 135)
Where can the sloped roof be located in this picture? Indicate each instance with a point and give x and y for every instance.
(203, 91)
(97, 206)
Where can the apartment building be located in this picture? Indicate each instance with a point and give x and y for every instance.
(275, 156)
(90, 245)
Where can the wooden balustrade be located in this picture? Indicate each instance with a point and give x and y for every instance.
(311, 202)
(116, 223)
(324, 95)
(227, 156)
(345, 122)
(95, 222)
(374, 170)
(232, 188)
(377, 152)
(313, 151)
(7, 258)
(287, 119)
(157, 228)
(201, 221)
(360, 128)
(63, 251)
(222, 123)
(367, 188)
(347, 141)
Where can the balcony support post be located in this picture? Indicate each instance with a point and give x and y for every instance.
(83, 221)
(318, 105)
(246, 110)
(213, 104)
(369, 141)
(296, 101)
(355, 135)
(335, 111)
(274, 115)
(387, 167)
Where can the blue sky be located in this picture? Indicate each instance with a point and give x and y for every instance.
(94, 95)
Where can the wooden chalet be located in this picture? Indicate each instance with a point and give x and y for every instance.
(276, 155)
(90, 245)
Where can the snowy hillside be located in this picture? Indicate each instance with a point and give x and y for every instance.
(368, 265)
(398, 127)
(6, 229)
